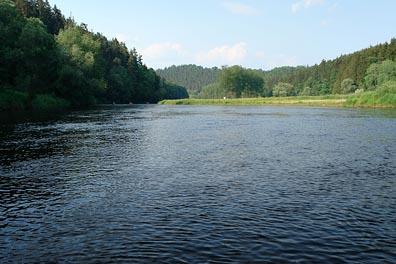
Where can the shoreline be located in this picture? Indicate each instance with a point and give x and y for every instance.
(319, 101)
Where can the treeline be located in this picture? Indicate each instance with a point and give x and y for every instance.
(328, 76)
(343, 75)
(234, 82)
(192, 77)
(49, 61)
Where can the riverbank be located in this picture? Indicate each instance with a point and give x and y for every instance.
(368, 100)
(269, 101)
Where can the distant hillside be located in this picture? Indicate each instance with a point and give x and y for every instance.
(327, 76)
(324, 78)
(192, 77)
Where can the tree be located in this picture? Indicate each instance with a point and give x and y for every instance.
(172, 91)
(212, 91)
(37, 70)
(379, 73)
(283, 90)
(51, 17)
(239, 82)
(83, 62)
(193, 77)
(11, 24)
(348, 86)
(119, 85)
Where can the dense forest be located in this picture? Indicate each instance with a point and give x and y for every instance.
(192, 77)
(346, 74)
(48, 61)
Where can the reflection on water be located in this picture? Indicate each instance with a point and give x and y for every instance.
(199, 184)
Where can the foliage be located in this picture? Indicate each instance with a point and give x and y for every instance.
(384, 96)
(46, 59)
(193, 77)
(323, 78)
(213, 91)
(46, 102)
(348, 86)
(283, 90)
(239, 82)
(379, 73)
(51, 17)
(172, 91)
(12, 100)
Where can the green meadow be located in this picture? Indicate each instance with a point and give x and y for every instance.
(369, 99)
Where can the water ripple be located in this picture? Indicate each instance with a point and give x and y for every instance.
(168, 184)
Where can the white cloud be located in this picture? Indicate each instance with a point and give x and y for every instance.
(223, 55)
(311, 3)
(241, 9)
(296, 7)
(164, 49)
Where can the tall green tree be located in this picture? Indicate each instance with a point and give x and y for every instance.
(11, 24)
(348, 86)
(239, 82)
(83, 74)
(283, 89)
(37, 69)
(379, 73)
(212, 91)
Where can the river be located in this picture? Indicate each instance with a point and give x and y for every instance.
(199, 184)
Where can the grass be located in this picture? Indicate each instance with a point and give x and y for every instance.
(377, 99)
(383, 97)
(330, 100)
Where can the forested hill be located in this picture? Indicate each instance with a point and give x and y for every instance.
(344, 74)
(327, 77)
(47, 61)
(192, 77)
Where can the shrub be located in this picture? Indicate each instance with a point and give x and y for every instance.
(12, 100)
(45, 102)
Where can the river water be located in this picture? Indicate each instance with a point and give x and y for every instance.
(199, 184)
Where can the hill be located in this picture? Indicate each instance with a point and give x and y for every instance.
(327, 77)
(48, 61)
(191, 76)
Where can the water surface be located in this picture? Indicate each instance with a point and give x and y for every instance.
(196, 184)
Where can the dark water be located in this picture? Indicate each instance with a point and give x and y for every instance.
(199, 184)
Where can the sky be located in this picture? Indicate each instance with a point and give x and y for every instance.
(259, 34)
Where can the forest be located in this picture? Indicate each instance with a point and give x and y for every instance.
(364, 70)
(191, 76)
(48, 61)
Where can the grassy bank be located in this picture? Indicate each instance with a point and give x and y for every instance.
(383, 97)
(369, 99)
(333, 100)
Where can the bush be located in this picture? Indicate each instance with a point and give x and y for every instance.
(12, 100)
(387, 88)
(45, 102)
(384, 96)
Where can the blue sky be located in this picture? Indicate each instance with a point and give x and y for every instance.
(252, 33)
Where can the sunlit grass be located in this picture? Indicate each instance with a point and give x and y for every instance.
(331, 100)
(368, 99)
